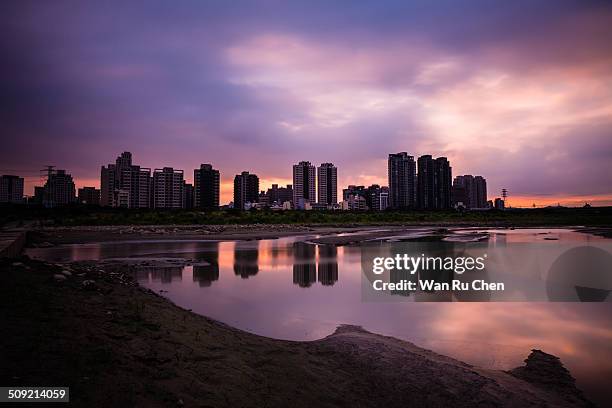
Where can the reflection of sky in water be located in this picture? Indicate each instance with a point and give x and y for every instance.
(292, 290)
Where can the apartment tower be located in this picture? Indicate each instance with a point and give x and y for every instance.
(246, 189)
(168, 188)
(327, 175)
(11, 189)
(123, 184)
(402, 181)
(303, 184)
(206, 187)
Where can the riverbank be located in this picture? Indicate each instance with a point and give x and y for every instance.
(319, 234)
(117, 344)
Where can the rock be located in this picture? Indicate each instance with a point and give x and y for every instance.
(544, 368)
(59, 277)
(546, 371)
(17, 264)
(66, 273)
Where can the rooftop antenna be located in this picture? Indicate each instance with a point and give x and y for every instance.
(49, 170)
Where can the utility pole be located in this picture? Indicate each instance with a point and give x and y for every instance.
(504, 194)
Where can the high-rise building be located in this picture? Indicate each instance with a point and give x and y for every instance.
(59, 189)
(433, 183)
(89, 196)
(11, 189)
(402, 181)
(481, 191)
(168, 186)
(371, 193)
(188, 198)
(109, 182)
(443, 173)
(246, 189)
(303, 184)
(499, 204)
(206, 187)
(469, 191)
(124, 184)
(462, 193)
(327, 175)
(425, 183)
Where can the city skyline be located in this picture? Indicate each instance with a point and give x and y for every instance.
(430, 186)
(485, 85)
(426, 186)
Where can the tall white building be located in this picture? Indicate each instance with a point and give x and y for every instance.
(327, 176)
(304, 190)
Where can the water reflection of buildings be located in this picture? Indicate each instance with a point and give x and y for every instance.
(205, 275)
(163, 274)
(328, 265)
(437, 274)
(304, 267)
(281, 254)
(246, 259)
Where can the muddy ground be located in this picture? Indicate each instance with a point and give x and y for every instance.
(117, 344)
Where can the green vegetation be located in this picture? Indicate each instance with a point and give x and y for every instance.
(81, 215)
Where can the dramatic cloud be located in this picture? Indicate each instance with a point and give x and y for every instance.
(520, 93)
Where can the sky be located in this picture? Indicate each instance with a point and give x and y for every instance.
(519, 92)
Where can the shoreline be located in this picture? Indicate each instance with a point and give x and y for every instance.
(116, 343)
(50, 236)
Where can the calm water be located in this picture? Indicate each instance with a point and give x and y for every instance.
(290, 289)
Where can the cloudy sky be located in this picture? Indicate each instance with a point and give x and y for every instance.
(519, 92)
